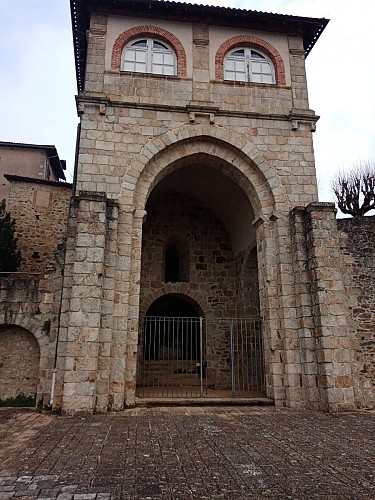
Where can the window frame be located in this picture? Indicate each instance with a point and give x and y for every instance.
(150, 51)
(248, 61)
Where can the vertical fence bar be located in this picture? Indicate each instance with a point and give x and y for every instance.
(201, 355)
(233, 376)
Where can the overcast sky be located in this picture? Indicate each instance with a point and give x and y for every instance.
(37, 77)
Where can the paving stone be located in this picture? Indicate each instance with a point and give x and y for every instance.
(197, 453)
(4, 495)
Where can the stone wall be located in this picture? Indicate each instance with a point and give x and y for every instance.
(30, 299)
(40, 209)
(358, 250)
(29, 319)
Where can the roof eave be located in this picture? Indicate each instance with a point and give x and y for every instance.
(308, 28)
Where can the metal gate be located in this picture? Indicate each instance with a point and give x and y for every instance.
(195, 358)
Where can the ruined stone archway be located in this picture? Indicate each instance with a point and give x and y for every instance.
(19, 362)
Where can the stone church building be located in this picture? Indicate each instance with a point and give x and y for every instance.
(199, 262)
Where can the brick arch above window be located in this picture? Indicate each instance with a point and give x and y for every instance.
(150, 32)
(255, 43)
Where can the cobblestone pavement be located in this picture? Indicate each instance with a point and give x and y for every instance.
(184, 453)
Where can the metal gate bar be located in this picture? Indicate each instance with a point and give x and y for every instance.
(189, 357)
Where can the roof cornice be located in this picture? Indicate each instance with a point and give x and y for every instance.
(308, 28)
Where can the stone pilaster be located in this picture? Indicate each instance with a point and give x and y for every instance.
(82, 301)
(269, 310)
(298, 74)
(104, 397)
(94, 78)
(302, 290)
(201, 75)
(329, 308)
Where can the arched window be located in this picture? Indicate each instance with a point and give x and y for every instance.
(147, 55)
(172, 265)
(244, 64)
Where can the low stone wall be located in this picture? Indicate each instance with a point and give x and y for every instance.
(358, 249)
(29, 312)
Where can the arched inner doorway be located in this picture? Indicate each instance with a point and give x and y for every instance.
(171, 349)
(171, 330)
(19, 362)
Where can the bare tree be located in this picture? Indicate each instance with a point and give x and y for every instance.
(355, 189)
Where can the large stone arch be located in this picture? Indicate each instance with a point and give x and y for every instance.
(240, 159)
(19, 362)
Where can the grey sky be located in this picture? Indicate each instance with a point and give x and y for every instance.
(37, 77)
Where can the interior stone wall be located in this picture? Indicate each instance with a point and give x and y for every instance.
(211, 267)
(358, 250)
(211, 261)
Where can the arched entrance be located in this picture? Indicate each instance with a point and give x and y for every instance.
(171, 350)
(198, 238)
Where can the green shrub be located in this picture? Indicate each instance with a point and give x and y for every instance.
(19, 401)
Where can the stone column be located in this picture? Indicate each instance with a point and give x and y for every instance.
(269, 309)
(133, 316)
(335, 355)
(82, 300)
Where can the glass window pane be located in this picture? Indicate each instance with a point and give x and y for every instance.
(240, 66)
(141, 56)
(257, 78)
(256, 55)
(240, 77)
(159, 45)
(229, 64)
(266, 68)
(140, 67)
(129, 55)
(157, 58)
(267, 79)
(169, 70)
(140, 43)
(256, 67)
(168, 59)
(238, 53)
(157, 69)
(230, 75)
(129, 66)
